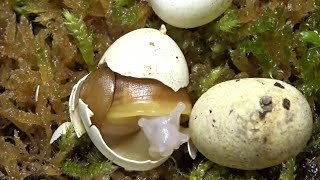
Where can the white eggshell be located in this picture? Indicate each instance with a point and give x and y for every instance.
(117, 158)
(251, 123)
(124, 154)
(62, 129)
(148, 53)
(189, 13)
(73, 110)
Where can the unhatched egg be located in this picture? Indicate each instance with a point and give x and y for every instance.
(189, 13)
(251, 123)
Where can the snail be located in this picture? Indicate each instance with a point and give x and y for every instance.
(133, 104)
(189, 13)
(251, 123)
(119, 101)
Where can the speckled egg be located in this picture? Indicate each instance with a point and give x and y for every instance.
(251, 123)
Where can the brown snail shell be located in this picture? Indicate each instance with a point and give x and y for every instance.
(125, 99)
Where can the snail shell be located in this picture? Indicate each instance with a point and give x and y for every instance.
(119, 101)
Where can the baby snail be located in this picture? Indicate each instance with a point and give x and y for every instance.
(189, 13)
(132, 104)
(118, 102)
(251, 123)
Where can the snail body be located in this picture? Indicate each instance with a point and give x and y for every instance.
(119, 101)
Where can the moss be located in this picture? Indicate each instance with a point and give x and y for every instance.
(288, 170)
(229, 21)
(313, 146)
(44, 64)
(96, 166)
(209, 80)
(79, 30)
(124, 3)
(129, 13)
(19, 6)
(311, 37)
(200, 171)
(92, 163)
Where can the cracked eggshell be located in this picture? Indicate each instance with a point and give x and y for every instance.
(73, 108)
(118, 154)
(189, 13)
(148, 53)
(80, 118)
(251, 123)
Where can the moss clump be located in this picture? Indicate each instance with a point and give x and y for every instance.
(95, 165)
(201, 170)
(79, 31)
(129, 12)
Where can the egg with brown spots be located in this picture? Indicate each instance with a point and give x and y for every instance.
(251, 123)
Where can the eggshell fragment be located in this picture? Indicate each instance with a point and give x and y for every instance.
(118, 153)
(131, 153)
(189, 13)
(73, 110)
(62, 129)
(251, 123)
(148, 53)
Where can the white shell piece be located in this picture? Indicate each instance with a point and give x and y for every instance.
(148, 53)
(251, 123)
(189, 13)
(74, 114)
(62, 129)
(192, 150)
(95, 136)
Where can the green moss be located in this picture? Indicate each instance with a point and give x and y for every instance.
(309, 64)
(310, 75)
(200, 171)
(267, 23)
(124, 3)
(86, 170)
(313, 146)
(19, 6)
(311, 37)
(94, 164)
(127, 12)
(69, 140)
(288, 170)
(216, 173)
(229, 21)
(309, 51)
(78, 30)
(44, 63)
(209, 80)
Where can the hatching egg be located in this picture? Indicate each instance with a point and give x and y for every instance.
(251, 123)
(189, 13)
(132, 104)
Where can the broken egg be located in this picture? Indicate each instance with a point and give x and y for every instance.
(148, 53)
(133, 104)
(189, 13)
(251, 123)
